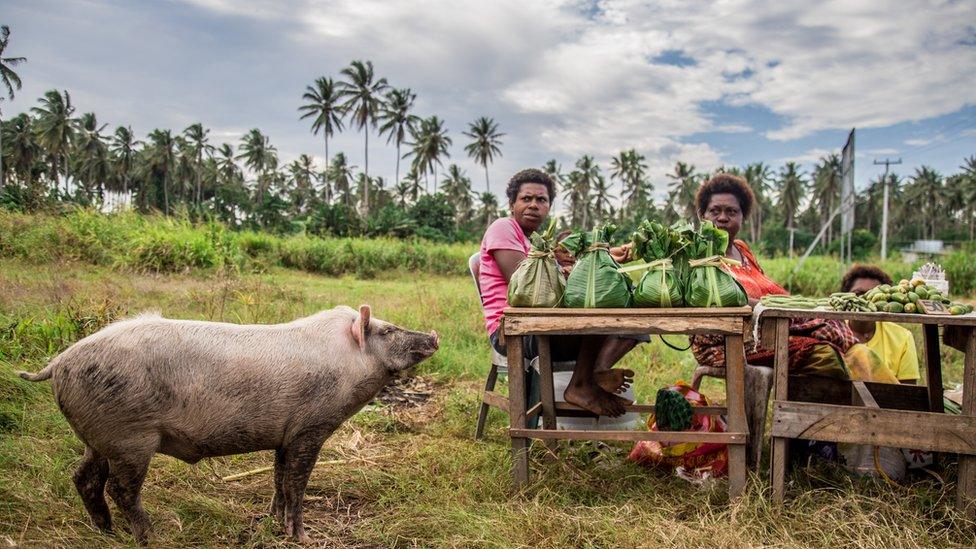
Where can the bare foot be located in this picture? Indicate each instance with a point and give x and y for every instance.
(594, 399)
(616, 380)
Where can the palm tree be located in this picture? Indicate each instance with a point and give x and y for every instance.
(968, 185)
(554, 170)
(123, 155)
(488, 209)
(826, 189)
(758, 176)
(630, 168)
(792, 187)
(260, 157)
(302, 172)
(91, 156)
(10, 80)
(55, 129)
(363, 99)
(684, 186)
(579, 184)
(22, 150)
(601, 199)
(160, 161)
(457, 189)
(485, 145)
(927, 194)
(196, 136)
(396, 120)
(430, 143)
(324, 109)
(341, 174)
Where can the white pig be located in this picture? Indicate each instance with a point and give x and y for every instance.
(193, 389)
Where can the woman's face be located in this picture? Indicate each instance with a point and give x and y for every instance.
(725, 212)
(531, 206)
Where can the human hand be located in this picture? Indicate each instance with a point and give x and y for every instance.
(622, 254)
(564, 256)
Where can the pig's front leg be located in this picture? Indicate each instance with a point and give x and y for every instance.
(299, 459)
(278, 501)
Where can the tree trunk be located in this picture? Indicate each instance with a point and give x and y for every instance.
(398, 164)
(487, 183)
(166, 194)
(366, 187)
(327, 193)
(789, 227)
(1, 154)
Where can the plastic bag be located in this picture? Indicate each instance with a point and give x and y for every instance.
(595, 280)
(537, 281)
(661, 247)
(705, 459)
(708, 284)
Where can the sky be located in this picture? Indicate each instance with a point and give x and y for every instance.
(710, 83)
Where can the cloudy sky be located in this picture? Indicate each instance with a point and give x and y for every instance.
(728, 82)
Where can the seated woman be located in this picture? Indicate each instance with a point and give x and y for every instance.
(505, 245)
(893, 345)
(816, 346)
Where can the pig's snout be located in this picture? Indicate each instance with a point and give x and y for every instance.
(436, 338)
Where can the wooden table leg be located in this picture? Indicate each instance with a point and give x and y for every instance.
(735, 400)
(547, 391)
(516, 410)
(966, 486)
(933, 367)
(781, 367)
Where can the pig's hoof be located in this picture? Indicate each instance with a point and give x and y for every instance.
(302, 538)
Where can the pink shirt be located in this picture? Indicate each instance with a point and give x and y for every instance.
(502, 234)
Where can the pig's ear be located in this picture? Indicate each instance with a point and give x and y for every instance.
(360, 325)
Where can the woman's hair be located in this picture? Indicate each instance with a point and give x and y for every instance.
(863, 271)
(725, 183)
(531, 175)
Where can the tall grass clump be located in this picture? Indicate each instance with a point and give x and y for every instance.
(176, 247)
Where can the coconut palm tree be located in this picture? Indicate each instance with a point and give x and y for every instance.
(758, 176)
(457, 188)
(601, 200)
(123, 155)
(363, 94)
(430, 143)
(261, 158)
(792, 187)
(196, 136)
(302, 188)
(927, 193)
(21, 150)
(684, 186)
(554, 170)
(630, 168)
(9, 78)
(488, 208)
(55, 130)
(91, 156)
(160, 162)
(826, 190)
(341, 177)
(485, 143)
(324, 108)
(395, 119)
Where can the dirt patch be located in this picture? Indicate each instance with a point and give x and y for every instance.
(405, 392)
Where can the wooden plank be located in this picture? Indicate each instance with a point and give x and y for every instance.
(902, 318)
(955, 337)
(496, 399)
(686, 312)
(767, 333)
(645, 409)
(735, 399)
(861, 395)
(825, 390)
(966, 486)
(532, 412)
(546, 390)
(669, 436)
(516, 412)
(933, 367)
(781, 366)
(896, 428)
(621, 325)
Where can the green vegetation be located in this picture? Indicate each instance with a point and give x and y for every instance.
(407, 476)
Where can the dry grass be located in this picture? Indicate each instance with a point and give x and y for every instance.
(413, 476)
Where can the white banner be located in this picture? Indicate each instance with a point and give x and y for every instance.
(847, 186)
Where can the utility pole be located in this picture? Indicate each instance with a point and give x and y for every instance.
(887, 162)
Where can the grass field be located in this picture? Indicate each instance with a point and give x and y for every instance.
(408, 476)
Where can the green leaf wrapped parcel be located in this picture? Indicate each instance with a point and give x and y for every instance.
(595, 280)
(709, 285)
(661, 248)
(537, 281)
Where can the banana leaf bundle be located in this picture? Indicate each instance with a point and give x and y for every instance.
(595, 280)
(662, 248)
(708, 284)
(537, 281)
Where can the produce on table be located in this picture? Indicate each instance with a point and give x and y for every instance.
(537, 282)
(898, 298)
(708, 284)
(595, 280)
(672, 412)
(794, 302)
(662, 248)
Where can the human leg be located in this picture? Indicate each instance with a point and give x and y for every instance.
(582, 389)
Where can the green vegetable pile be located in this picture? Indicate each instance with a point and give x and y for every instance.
(662, 249)
(904, 296)
(595, 280)
(708, 284)
(537, 281)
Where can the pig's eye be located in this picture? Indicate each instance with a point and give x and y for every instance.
(387, 331)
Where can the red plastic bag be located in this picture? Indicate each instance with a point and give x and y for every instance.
(701, 459)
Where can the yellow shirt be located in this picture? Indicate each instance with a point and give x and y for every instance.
(896, 347)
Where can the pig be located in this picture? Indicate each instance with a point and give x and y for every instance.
(194, 389)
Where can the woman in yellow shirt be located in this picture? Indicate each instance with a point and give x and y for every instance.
(893, 344)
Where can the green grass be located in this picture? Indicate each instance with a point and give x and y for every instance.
(412, 477)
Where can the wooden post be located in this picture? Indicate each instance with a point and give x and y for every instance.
(966, 490)
(516, 411)
(735, 399)
(546, 389)
(781, 367)
(933, 367)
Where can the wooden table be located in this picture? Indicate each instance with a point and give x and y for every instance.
(542, 323)
(863, 421)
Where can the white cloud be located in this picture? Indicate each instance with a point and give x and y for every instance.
(921, 142)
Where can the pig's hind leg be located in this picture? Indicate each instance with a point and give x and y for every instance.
(299, 460)
(126, 474)
(278, 501)
(90, 480)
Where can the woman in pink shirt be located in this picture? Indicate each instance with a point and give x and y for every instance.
(505, 245)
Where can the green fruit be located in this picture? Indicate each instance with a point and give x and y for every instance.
(885, 288)
(911, 308)
(899, 298)
(881, 296)
(901, 289)
(922, 293)
(913, 297)
(957, 310)
(671, 411)
(894, 307)
(917, 282)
